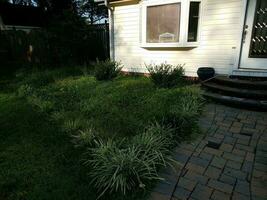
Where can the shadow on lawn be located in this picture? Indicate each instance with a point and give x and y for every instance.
(37, 161)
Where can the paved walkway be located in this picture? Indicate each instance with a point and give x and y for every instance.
(229, 162)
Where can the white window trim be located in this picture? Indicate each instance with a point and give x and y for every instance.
(184, 20)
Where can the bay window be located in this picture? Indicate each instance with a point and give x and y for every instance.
(170, 23)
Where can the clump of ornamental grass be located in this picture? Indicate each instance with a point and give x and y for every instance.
(127, 165)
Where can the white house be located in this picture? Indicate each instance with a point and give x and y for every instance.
(229, 35)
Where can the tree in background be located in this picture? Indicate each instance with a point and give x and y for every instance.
(92, 11)
(88, 9)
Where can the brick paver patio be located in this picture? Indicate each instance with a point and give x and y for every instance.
(228, 162)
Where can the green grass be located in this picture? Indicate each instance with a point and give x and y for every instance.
(40, 113)
(37, 161)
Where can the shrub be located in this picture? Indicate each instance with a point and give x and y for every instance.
(165, 75)
(107, 70)
(125, 166)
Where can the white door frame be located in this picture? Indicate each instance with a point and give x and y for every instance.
(241, 34)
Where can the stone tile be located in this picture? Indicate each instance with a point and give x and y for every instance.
(226, 147)
(228, 179)
(250, 156)
(218, 162)
(243, 141)
(199, 161)
(230, 156)
(238, 196)
(195, 168)
(259, 174)
(219, 136)
(249, 131)
(233, 164)
(239, 152)
(243, 136)
(235, 129)
(212, 151)
(181, 193)
(259, 191)
(242, 187)
(206, 156)
(223, 187)
(187, 183)
(217, 195)
(237, 124)
(201, 192)
(260, 167)
(213, 172)
(229, 140)
(197, 177)
(245, 147)
(247, 166)
(235, 173)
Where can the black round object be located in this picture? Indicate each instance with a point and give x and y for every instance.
(205, 73)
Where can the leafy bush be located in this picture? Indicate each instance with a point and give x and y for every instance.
(107, 70)
(166, 75)
(124, 166)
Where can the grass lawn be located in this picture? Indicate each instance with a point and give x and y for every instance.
(41, 112)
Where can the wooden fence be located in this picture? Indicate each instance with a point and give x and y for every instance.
(41, 47)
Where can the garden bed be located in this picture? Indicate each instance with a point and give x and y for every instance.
(122, 130)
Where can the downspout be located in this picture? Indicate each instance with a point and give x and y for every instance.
(111, 29)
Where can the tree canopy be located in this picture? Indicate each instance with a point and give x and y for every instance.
(87, 9)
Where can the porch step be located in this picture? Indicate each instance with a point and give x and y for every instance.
(236, 101)
(234, 90)
(237, 82)
(239, 92)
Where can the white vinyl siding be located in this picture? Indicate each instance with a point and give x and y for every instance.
(218, 42)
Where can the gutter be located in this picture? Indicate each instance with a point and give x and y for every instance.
(111, 29)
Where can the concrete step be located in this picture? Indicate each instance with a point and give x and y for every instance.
(253, 83)
(237, 101)
(257, 93)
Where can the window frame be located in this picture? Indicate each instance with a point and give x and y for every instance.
(184, 20)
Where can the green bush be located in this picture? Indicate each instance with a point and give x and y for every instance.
(127, 165)
(107, 70)
(165, 75)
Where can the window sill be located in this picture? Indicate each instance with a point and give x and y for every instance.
(169, 45)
